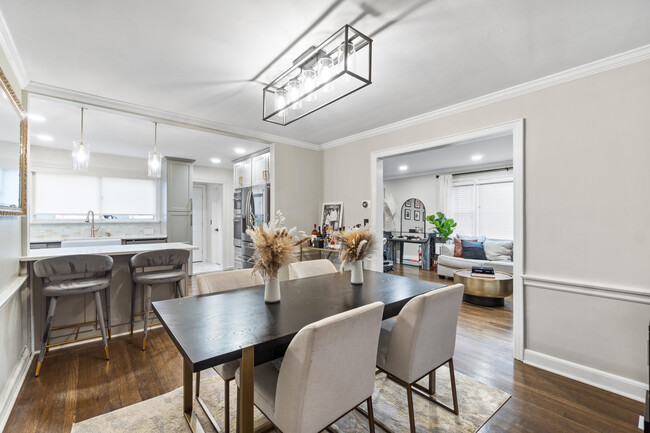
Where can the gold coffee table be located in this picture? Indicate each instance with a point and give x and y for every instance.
(489, 292)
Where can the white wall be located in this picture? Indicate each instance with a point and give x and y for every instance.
(586, 183)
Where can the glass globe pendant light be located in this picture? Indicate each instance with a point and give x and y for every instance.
(309, 84)
(325, 65)
(294, 94)
(153, 162)
(80, 151)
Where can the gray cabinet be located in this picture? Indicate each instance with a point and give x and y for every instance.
(176, 198)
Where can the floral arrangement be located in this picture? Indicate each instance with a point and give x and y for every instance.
(356, 244)
(275, 246)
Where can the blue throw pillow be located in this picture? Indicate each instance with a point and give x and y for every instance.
(473, 250)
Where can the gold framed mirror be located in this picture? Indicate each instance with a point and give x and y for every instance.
(13, 151)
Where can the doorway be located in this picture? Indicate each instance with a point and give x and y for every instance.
(207, 227)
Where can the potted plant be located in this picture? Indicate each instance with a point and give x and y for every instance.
(444, 226)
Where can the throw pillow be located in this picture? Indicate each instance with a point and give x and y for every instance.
(498, 250)
(473, 250)
(458, 246)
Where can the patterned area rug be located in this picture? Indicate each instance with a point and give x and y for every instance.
(477, 403)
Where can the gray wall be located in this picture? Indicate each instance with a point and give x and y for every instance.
(587, 213)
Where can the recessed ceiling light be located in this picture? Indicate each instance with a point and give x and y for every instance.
(403, 167)
(477, 157)
(215, 160)
(36, 117)
(239, 150)
(44, 137)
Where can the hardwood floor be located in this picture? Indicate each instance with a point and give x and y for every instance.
(76, 383)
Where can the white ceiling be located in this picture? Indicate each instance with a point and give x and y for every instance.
(199, 58)
(495, 151)
(115, 134)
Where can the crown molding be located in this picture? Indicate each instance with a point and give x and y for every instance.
(9, 48)
(615, 61)
(161, 116)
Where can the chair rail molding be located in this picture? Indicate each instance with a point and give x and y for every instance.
(628, 294)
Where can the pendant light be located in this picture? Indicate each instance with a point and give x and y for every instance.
(154, 156)
(81, 150)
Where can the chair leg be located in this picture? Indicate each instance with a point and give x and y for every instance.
(100, 317)
(409, 394)
(237, 428)
(147, 307)
(46, 334)
(107, 294)
(371, 416)
(226, 408)
(432, 382)
(179, 289)
(452, 376)
(134, 288)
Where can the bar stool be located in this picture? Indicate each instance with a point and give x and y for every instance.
(74, 275)
(173, 257)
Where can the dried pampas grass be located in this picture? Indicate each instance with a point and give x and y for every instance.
(356, 244)
(274, 246)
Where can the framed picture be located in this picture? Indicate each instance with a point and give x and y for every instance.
(416, 204)
(332, 215)
(407, 214)
(407, 203)
(416, 215)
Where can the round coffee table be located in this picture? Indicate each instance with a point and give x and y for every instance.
(489, 292)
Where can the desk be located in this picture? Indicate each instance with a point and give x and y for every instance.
(426, 249)
(210, 330)
(329, 251)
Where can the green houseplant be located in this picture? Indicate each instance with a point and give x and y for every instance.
(444, 226)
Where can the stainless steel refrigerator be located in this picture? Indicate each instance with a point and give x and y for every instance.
(252, 208)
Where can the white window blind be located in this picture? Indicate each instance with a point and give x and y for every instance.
(484, 208)
(464, 209)
(67, 196)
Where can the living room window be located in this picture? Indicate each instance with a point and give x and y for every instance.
(483, 207)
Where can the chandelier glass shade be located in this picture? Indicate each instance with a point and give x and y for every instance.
(153, 162)
(80, 150)
(324, 74)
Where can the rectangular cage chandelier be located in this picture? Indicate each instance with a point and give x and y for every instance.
(324, 74)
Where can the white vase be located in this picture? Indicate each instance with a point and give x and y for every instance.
(272, 290)
(357, 272)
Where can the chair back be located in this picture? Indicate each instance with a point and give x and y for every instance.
(73, 267)
(173, 257)
(328, 369)
(228, 280)
(311, 268)
(424, 334)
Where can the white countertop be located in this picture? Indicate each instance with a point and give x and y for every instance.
(111, 250)
(125, 237)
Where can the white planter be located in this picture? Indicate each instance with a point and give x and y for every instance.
(272, 290)
(357, 272)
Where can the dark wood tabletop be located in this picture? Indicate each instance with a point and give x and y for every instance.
(211, 329)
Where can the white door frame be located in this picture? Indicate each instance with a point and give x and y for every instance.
(516, 128)
(206, 255)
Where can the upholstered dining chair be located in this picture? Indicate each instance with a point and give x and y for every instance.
(223, 282)
(418, 341)
(327, 371)
(310, 268)
(172, 260)
(74, 275)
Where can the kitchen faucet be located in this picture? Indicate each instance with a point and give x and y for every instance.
(90, 217)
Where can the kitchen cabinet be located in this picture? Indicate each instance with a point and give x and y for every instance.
(260, 169)
(179, 227)
(237, 180)
(176, 198)
(246, 173)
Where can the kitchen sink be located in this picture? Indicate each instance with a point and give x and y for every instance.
(90, 242)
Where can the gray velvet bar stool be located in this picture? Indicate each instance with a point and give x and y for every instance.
(173, 258)
(74, 275)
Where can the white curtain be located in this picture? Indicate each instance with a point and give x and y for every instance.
(445, 199)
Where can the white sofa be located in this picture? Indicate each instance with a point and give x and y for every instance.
(448, 264)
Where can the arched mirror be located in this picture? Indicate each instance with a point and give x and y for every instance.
(13, 152)
(413, 218)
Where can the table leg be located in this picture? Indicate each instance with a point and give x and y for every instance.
(401, 252)
(188, 400)
(246, 400)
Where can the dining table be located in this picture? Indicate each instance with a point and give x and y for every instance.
(216, 328)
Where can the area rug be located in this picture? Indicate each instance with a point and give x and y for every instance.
(477, 403)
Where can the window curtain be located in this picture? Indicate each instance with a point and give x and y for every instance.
(445, 198)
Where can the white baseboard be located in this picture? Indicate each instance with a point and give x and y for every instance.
(600, 379)
(15, 382)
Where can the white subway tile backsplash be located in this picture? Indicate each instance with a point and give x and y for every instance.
(42, 232)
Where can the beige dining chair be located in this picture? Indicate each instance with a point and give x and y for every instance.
(327, 371)
(418, 341)
(222, 282)
(311, 268)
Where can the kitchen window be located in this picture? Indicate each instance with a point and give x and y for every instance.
(69, 197)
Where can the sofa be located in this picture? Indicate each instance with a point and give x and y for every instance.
(448, 264)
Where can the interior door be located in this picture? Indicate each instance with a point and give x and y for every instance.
(198, 201)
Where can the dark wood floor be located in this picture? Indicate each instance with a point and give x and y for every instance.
(76, 383)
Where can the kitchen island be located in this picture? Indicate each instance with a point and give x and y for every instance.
(81, 309)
